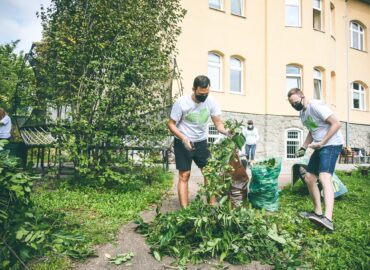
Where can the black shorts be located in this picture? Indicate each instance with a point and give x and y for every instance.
(184, 158)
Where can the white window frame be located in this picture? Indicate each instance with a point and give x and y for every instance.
(362, 96)
(213, 134)
(219, 66)
(239, 69)
(299, 141)
(213, 7)
(318, 78)
(291, 75)
(360, 32)
(290, 3)
(319, 9)
(241, 7)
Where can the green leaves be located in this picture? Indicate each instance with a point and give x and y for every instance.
(121, 258)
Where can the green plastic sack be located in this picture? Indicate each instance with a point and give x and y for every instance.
(263, 190)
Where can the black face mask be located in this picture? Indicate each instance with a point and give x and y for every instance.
(298, 105)
(201, 98)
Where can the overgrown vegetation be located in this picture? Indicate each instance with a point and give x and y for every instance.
(96, 213)
(283, 239)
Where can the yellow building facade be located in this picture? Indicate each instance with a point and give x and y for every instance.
(254, 51)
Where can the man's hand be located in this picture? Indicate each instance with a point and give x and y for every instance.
(228, 133)
(188, 144)
(316, 145)
(300, 152)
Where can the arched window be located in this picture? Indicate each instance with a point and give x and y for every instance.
(236, 75)
(293, 13)
(317, 84)
(293, 141)
(215, 71)
(358, 96)
(293, 77)
(357, 36)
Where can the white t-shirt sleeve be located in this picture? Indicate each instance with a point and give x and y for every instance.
(176, 112)
(322, 111)
(5, 120)
(215, 109)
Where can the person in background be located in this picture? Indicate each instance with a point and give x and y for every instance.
(251, 136)
(325, 138)
(5, 125)
(189, 122)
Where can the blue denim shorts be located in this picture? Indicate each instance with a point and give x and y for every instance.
(324, 159)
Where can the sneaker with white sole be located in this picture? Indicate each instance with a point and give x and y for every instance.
(322, 221)
(308, 214)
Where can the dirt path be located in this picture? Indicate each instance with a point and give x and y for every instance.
(130, 241)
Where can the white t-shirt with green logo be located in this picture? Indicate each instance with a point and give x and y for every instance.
(314, 119)
(192, 118)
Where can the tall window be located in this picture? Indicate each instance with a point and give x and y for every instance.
(218, 4)
(332, 19)
(214, 70)
(293, 13)
(293, 140)
(237, 7)
(317, 14)
(357, 36)
(213, 134)
(317, 84)
(358, 96)
(236, 74)
(293, 77)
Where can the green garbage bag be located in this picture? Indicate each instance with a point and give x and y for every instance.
(263, 190)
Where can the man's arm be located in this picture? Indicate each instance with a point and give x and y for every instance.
(335, 125)
(217, 121)
(175, 131)
(308, 140)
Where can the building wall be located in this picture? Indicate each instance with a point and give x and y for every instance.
(266, 45)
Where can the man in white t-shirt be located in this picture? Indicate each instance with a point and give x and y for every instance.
(188, 122)
(5, 125)
(325, 138)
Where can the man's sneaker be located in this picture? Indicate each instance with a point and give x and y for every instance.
(322, 221)
(308, 214)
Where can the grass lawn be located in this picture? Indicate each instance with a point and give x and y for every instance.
(96, 214)
(348, 247)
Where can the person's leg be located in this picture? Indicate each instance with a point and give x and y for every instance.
(253, 152)
(325, 180)
(183, 159)
(311, 181)
(247, 151)
(182, 188)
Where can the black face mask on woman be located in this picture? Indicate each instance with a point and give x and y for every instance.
(298, 105)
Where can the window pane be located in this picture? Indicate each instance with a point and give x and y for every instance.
(317, 19)
(292, 83)
(354, 39)
(317, 4)
(215, 4)
(317, 74)
(214, 58)
(354, 26)
(292, 15)
(235, 63)
(356, 101)
(362, 101)
(317, 89)
(355, 86)
(214, 76)
(236, 7)
(235, 80)
(293, 70)
(361, 44)
(292, 147)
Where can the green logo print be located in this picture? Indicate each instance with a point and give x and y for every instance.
(310, 123)
(200, 117)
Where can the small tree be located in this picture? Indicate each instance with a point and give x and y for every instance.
(109, 61)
